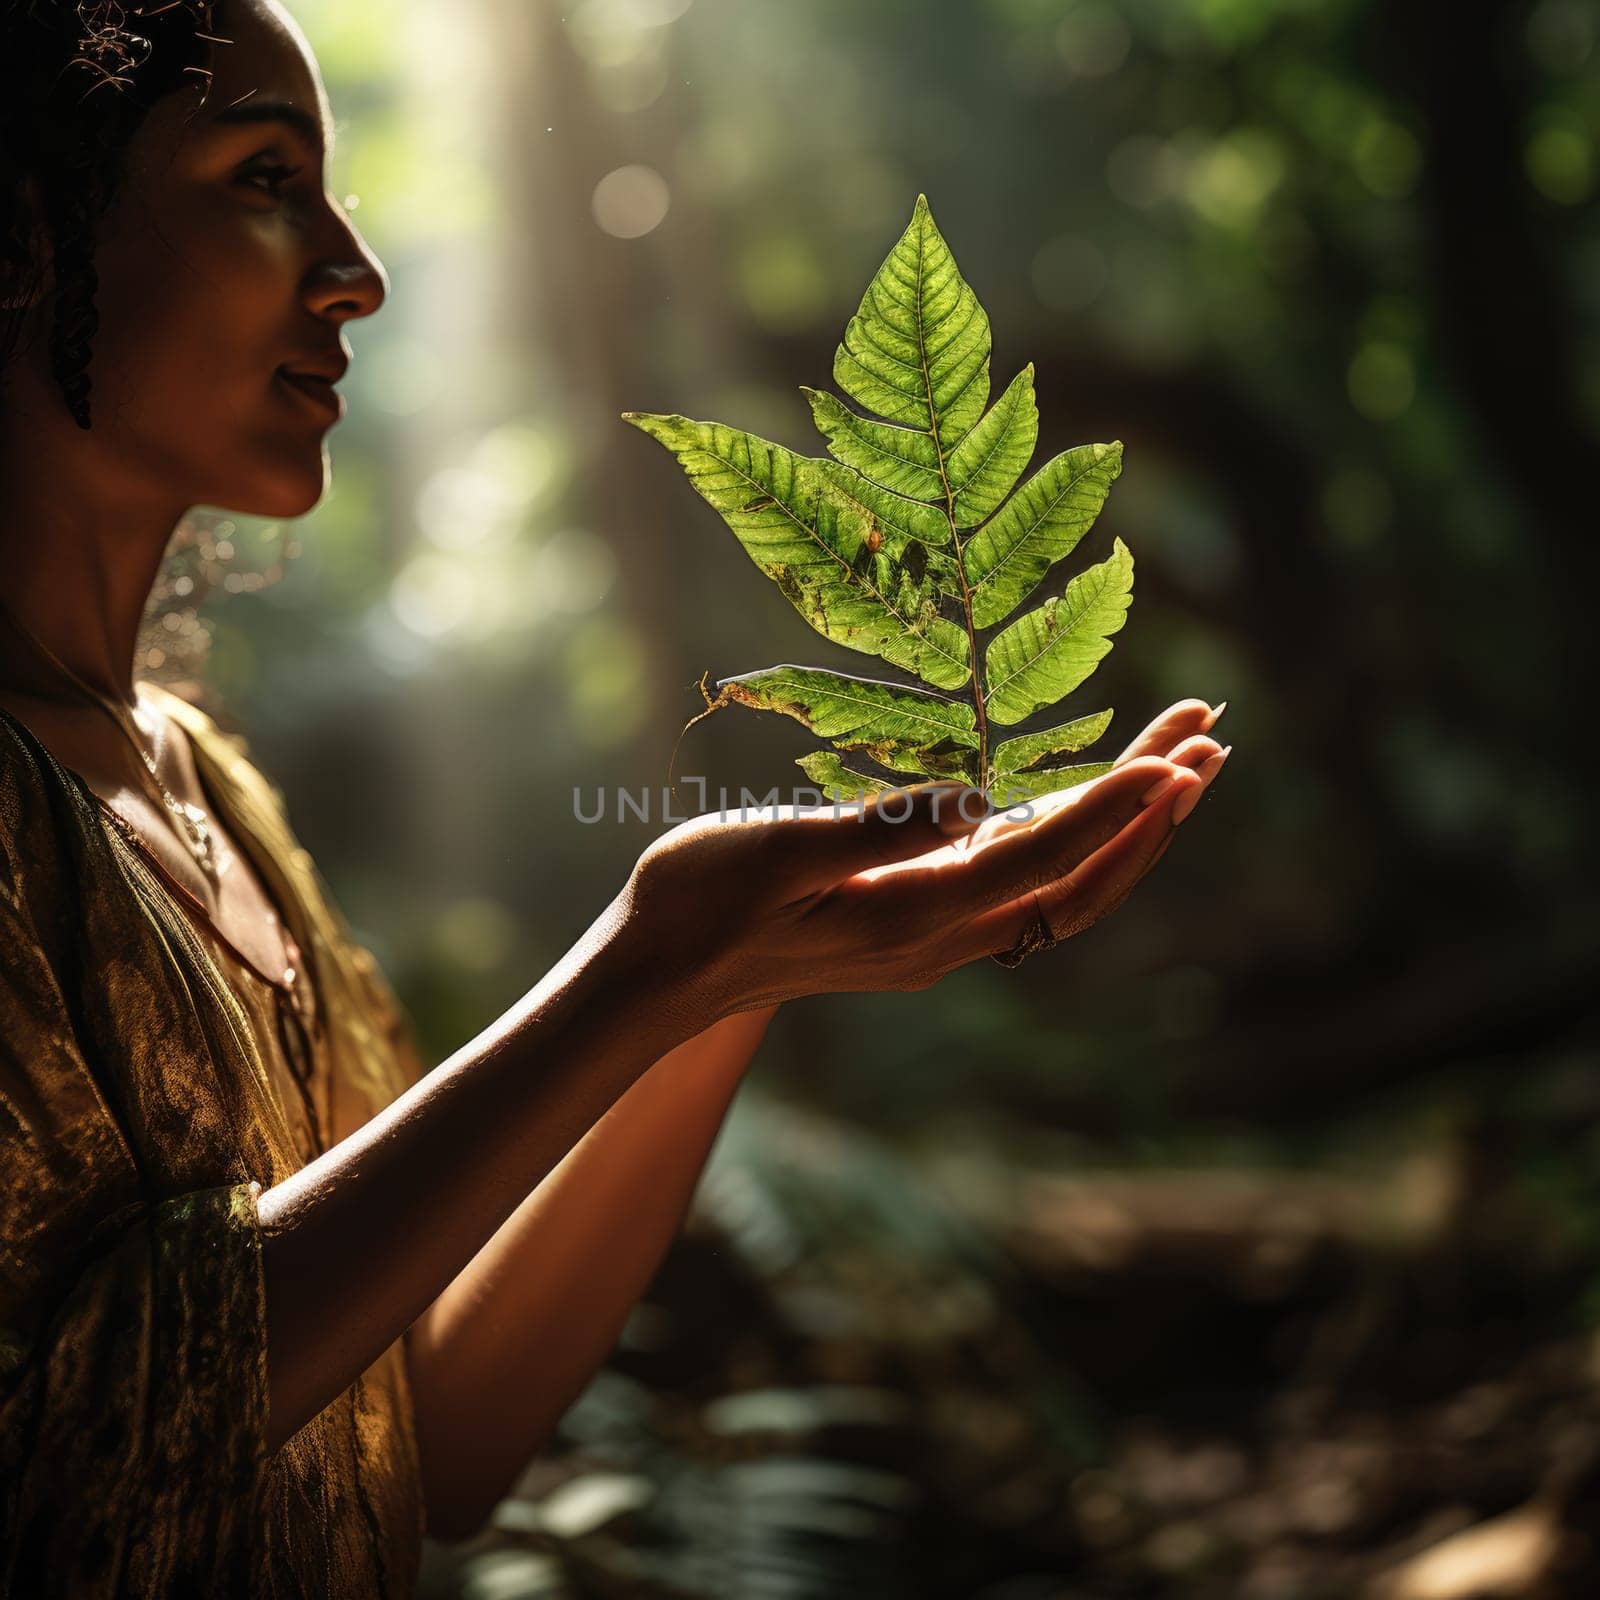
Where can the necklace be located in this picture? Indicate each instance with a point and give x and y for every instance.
(192, 823)
(296, 1017)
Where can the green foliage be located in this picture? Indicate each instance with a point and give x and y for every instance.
(914, 537)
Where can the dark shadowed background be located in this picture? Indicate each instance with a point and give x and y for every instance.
(1248, 1245)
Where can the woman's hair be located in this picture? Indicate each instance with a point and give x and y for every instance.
(77, 77)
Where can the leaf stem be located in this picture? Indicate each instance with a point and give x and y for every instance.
(961, 573)
(950, 515)
(972, 639)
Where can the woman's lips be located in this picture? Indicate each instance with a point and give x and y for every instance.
(317, 393)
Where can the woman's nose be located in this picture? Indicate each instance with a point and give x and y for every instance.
(349, 286)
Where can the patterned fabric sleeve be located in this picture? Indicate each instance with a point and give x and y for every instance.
(132, 1331)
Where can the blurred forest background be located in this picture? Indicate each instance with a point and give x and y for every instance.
(1250, 1245)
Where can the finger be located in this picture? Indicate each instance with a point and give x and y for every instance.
(1207, 770)
(1009, 864)
(1103, 882)
(1066, 903)
(1191, 752)
(821, 845)
(1194, 752)
(1176, 723)
(1107, 878)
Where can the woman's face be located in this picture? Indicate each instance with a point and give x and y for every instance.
(225, 267)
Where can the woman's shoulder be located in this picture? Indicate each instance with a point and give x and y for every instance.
(216, 733)
(26, 766)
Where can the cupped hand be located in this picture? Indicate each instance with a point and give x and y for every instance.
(755, 908)
(1099, 884)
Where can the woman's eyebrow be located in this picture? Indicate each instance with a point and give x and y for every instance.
(307, 126)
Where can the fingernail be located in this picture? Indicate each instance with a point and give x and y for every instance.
(1159, 789)
(1218, 709)
(1207, 770)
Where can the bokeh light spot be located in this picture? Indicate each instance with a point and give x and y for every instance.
(1388, 160)
(631, 202)
(1561, 34)
(1560, 162)
(781, 281)
(1382, 381)
(486, 499)
(459, 507)
(1230, 182)
(432, 594)
(1093, 40)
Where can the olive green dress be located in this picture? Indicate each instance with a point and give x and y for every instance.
(152, 1082)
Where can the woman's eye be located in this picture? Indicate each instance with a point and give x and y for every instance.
(268, 180)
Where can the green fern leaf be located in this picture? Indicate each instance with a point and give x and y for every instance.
(882, 720)
(1049, 652)
(912, 519)
(904, 460)
(1043, 522)
(911, 536)
(1012, 788)
(829, 559)
(1015, 755)
(983, 469)
(835, 779)
(951, 761)
(917, 349)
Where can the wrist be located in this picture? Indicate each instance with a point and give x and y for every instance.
(668, 981)
(659, 926)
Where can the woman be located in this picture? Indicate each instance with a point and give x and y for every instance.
(273, 1298)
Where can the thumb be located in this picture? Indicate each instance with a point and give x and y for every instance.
(837, 841)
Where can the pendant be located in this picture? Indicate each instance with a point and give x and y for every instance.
(195, 825)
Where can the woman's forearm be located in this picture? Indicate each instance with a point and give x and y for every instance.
(511, 1342)
(357, 1244)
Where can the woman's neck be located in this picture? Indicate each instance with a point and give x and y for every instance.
(61, 622)
(79, 553)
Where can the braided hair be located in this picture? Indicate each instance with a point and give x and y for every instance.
(77, 77)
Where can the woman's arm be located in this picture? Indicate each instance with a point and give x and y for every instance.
(508, 1346)
(720, 916)
(357, 1244)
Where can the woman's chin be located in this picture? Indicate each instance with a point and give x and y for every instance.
(290, 489)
